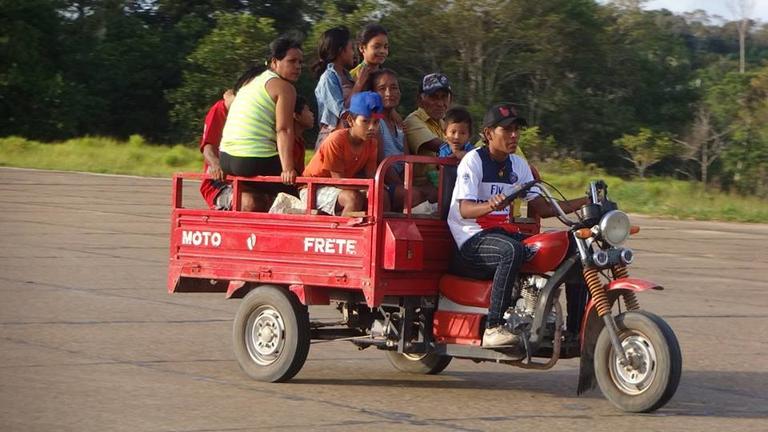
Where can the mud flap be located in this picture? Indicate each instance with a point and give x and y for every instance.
(593, 325)
(587, 359)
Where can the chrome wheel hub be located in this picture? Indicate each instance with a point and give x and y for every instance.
(265, 335)
(635, 376)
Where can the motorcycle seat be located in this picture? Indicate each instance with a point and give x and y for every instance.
(466, 291)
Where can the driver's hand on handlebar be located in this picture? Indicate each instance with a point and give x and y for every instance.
(496, 202)
(289, 176)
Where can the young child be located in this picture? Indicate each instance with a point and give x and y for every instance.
(458, 128)
(348, 153)
(373, 43)
(334, 83)
(303, 119)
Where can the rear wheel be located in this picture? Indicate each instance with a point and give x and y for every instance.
(424, 364)
(271, 334)
(650, 379)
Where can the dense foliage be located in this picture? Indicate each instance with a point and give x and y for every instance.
(636, 92)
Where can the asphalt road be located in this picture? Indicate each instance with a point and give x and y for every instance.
(91, 341)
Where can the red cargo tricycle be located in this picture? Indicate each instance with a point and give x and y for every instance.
(388, 276)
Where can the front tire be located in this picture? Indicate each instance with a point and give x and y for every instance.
(422, 364)
(652, 378)
(271, 334)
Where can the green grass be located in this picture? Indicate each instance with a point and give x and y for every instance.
(100, 155)
(664, 197)
(658, 196)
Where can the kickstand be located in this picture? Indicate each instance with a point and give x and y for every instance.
(527, 346)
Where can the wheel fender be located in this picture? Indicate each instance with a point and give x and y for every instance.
(614, 288)
(632, 284)
(592, 325)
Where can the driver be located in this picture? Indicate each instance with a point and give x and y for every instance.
(485, 177)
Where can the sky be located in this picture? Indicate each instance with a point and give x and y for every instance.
(713, 7)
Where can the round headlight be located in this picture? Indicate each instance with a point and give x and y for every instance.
(614, 227)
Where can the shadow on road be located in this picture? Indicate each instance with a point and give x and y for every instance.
(739, 394)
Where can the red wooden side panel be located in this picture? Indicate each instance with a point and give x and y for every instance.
(277, 248)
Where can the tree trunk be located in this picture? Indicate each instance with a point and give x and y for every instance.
(704, 164)
(742, 42)
(741, 10)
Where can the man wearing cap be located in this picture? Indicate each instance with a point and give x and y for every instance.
(485, 177)
(424, 127)
(348, 153)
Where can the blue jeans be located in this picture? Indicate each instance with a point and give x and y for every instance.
(498, 254)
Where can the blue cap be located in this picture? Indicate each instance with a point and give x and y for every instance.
(367, 104)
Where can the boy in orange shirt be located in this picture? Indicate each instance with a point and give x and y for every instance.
(348, 153)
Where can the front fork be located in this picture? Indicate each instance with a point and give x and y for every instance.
(597, 291)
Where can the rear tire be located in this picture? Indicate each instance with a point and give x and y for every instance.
(271, 334)
(422, 364)
(652, 381)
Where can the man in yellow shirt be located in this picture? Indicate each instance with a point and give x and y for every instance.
(424, 127)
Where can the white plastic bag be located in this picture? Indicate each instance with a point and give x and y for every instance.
(426, 208)
(286, 204)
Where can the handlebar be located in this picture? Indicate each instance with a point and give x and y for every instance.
(598, 193)
(516, 192)
(544, 192)
(561, 215)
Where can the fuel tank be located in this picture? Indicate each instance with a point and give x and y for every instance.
(549, 250)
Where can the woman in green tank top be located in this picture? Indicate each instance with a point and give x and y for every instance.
(258, 136)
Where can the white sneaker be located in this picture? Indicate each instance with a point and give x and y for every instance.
(498, 336)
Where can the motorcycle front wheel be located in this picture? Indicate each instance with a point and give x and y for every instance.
(650, 379)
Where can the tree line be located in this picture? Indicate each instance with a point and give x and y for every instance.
(636, 92)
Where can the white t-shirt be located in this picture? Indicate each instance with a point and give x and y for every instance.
(480, 177)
